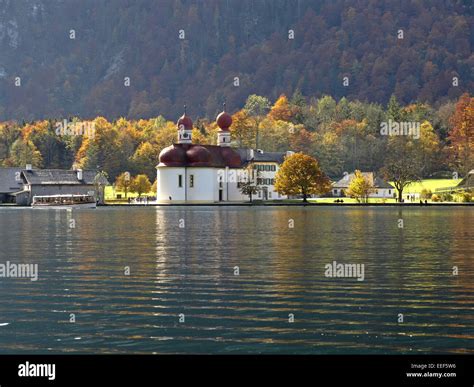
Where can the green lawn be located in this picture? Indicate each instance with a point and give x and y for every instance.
(110, 194)
(350, 200)
(430, 184)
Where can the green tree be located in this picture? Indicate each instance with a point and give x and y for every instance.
(257, 107)
(394, 110)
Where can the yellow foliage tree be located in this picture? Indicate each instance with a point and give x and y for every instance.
(123, 183)
(360, 187)
(140, 185)
(243, 129)
(281, 110)
(300, 174)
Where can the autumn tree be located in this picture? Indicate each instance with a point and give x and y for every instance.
(461, 135)
(104, 151)
(145, 159)
(301, 141)
(300, 174)
(402, 165)
(360, 187)
(140, 185)
(428, 149)
(123, 183)
(243, 129)
(9, 133)
(25, 152)
(281, 110)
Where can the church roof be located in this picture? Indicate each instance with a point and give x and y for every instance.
(214, 156)
(195, 155)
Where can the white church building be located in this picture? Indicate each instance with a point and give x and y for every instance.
(194, 173)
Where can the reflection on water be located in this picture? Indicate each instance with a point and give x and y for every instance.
(191, 270)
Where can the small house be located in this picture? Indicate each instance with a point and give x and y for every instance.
(381, 189)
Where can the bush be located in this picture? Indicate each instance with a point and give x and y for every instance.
(425, 193)
(435, 198)
(465, 197)
(447, 197)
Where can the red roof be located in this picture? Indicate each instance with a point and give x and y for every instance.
(185, 121)
(224, 121)
(194, 155)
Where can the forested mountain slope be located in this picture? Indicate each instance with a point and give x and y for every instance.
(225, 39)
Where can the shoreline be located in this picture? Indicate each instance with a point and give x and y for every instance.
(285, 204)
(6, 205)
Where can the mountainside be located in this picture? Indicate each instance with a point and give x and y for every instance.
(140, 40)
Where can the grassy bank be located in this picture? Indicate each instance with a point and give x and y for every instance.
(414, 188)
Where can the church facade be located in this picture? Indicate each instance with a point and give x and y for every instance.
(194, 173)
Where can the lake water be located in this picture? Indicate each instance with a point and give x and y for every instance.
(191, 269)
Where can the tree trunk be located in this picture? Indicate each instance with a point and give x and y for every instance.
(304, 198)
(400, 196)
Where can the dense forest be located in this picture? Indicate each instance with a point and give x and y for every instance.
(343, 135)
(140, 59)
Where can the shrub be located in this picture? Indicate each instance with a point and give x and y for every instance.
(435, 198)
(447, 197)
(465, 197)
(425, 193)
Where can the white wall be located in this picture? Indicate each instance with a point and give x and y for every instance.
(167, 184)
(206, 185)
(382, 193)
(377, 193)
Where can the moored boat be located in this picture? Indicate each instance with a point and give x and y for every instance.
(64, 202)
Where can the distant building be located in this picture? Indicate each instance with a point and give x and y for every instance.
(24, 184)
(381, 189)
(190, 172)
(10, 183)
(467, 183)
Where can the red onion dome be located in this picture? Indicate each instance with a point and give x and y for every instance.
(185, 121)
(231, 157)
(224, 120)
(197, 156)
(172, 156)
